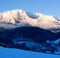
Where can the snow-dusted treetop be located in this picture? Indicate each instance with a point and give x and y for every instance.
(20, 17)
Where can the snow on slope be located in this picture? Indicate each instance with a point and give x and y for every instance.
(16, 53)
(18, 17)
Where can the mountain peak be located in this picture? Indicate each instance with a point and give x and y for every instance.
(20, 18)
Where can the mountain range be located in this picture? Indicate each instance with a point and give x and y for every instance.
(30, 31)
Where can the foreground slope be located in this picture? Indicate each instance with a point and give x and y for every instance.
(16, 53)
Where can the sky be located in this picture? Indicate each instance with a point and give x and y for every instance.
(48, 7)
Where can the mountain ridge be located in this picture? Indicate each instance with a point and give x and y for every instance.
(31, 39)
(20, 17)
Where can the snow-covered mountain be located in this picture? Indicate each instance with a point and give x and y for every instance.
(30, 31)
(20, 17)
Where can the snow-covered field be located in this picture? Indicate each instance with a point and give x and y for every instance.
(17, 53)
